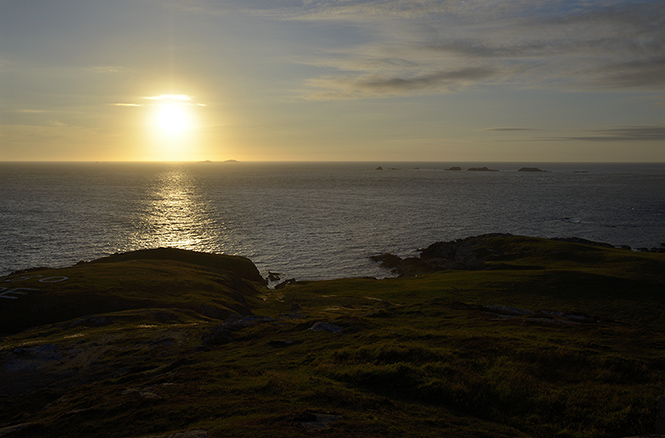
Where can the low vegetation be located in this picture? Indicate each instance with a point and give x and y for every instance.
(559, 339)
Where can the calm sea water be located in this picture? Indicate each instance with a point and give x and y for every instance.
(313, 220)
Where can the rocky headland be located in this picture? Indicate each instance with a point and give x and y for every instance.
(484, 252)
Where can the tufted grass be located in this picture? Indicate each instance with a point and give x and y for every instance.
(417, 357)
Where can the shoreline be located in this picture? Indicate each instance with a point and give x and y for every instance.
(500, 331)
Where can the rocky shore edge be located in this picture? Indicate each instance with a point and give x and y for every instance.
(470, 253)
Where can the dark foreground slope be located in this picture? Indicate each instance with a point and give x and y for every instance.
(542, 338)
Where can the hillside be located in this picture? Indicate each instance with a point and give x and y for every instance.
(496, 336)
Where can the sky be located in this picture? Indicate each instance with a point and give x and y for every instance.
(332, 80)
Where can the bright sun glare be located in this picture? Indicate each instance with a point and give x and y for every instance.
(172, 118)
(173, 123)
(172, 114)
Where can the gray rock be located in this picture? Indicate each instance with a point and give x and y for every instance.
(317, 421)
(30, 358)
(387, 260)
(326, 326)
(39, 352)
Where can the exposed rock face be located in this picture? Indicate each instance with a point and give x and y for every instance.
(455, 168)
(387, 260)
(464, 254)
(458, 254)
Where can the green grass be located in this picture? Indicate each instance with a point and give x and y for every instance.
(417, 357)
(107, 286)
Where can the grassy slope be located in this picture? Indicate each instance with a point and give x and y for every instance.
(212, 285)
(417, 356)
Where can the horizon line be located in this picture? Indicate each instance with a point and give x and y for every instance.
(323, 161)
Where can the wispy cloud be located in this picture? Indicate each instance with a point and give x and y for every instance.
(31, 111)
(349, 87)
(108, 69)
(622, 133)
(638, 73)
(417, 46)
(177, 99)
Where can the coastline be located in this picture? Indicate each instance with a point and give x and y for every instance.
(312, 220)
(157, 343)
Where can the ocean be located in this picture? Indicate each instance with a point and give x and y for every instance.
(313, 221)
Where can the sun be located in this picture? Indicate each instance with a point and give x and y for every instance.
(173, 127)
(172, 118)
(172, 114)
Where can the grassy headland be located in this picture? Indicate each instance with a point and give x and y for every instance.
(526, 337)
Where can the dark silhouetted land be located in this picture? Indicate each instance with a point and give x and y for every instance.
(492, 336)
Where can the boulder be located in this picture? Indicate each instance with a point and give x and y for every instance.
(387, 260)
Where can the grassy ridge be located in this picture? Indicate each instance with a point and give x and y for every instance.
(564, 340)
(212, 285)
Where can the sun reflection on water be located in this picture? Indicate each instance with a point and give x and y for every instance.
(175, 214)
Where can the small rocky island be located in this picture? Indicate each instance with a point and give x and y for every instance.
(531, 169)
(481, 169)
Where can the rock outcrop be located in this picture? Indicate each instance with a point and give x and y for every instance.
(461, 254)
(487, 251)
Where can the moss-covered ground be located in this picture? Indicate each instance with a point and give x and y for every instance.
(565, 340)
